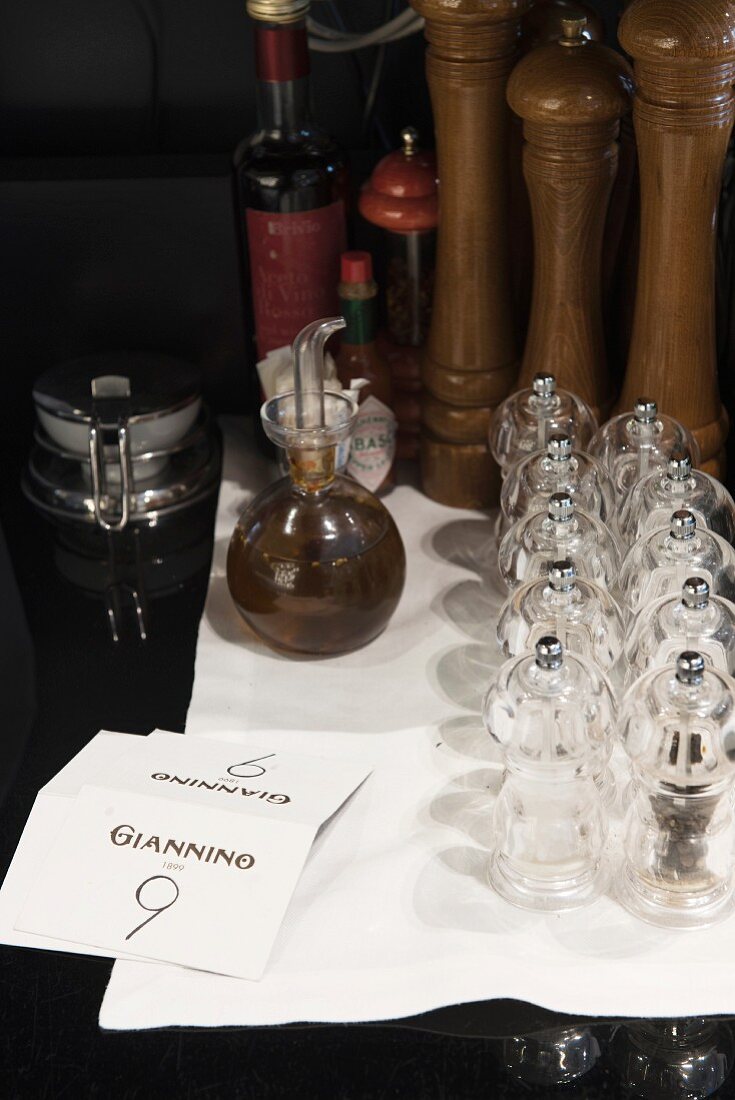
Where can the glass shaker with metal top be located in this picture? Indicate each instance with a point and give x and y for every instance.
(660, 562)
(677, 725)
(524, 422)
(662, 492)
(558, 531)
(557, 469)
(692, 619)
(639, 442)
(553, 714)
(581, 614)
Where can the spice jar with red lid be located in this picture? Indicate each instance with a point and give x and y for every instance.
(401, 198)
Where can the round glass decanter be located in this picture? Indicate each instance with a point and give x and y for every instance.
(524, 421)
(638, 443)
(692, 620)
(557, 469)
(316, 564)
(660, 562)
(581, 614)
(677, 724)
(553, 714)
(558, 532)
(657, 495)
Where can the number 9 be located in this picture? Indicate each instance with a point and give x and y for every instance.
(154, 910)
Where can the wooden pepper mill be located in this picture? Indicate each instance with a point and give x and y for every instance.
(541, 24)
(471, 361)
(684, 64)
(571, 95)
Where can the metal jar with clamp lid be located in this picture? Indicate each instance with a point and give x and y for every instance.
(122, 438)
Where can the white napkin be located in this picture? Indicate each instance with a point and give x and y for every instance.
(393, 915)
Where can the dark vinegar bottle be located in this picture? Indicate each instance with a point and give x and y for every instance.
(290, 181)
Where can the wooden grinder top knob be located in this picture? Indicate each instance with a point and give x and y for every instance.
(571, 82)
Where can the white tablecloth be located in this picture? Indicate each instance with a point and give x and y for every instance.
(393, 915)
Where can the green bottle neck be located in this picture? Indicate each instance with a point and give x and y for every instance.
(361, 317)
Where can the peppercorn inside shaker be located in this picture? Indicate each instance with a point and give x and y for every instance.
(677, 725)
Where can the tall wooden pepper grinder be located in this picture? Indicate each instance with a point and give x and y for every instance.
(471, 361)
(684, 63)
(570, 95)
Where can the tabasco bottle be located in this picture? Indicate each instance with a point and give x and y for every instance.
(373, 448)
(290, 181)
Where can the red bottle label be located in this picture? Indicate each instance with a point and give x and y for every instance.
(294, 268)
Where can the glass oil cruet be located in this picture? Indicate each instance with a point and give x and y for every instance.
(660, 493)
(693, 619)
(553, 715)
(316, 565)
(677, 724)
(524, 421)
(581, 614)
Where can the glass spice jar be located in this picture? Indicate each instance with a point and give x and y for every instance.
(401, 198)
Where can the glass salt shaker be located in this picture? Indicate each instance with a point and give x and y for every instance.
(657, 495)
(557, 469)
(524, 421)
(660, 562)
(581, 614)
(553, 715)
(692, 620)
(638, 443)
(559, 531)
(677, 724)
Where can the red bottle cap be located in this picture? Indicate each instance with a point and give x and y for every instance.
(402, 194)
(356, 267)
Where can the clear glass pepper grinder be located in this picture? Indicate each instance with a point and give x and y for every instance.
(557, 469)
(657, 495)
(553, 714)
(558, 531)
(677, 724)
(524, 421)
(581, 614)
(639, 442)
(692, 620)
(660, 562)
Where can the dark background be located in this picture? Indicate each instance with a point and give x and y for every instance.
(118, 119)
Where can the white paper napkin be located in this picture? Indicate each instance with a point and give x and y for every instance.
(393, 915)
